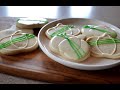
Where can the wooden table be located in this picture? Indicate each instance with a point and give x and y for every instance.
(38, 66)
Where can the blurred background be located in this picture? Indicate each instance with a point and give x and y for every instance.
(109, 14)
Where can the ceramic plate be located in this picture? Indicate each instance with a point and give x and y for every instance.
(92, 63)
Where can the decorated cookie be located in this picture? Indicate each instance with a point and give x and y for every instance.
(93, 30)
(74, 49)
(18, 42)
(30, 23)
(12, 29)
(104, 46)
(60, 28)
(54, 42)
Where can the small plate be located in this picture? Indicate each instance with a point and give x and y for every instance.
(92, 63)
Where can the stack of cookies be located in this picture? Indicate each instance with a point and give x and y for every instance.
(20, 38)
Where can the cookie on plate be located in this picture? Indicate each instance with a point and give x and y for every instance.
(61, 28)
(94, 30)
(104, 46)
(74, 49)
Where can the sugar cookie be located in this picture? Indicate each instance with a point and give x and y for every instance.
(18, 43)
(94, 30)
(30, 22)
(74, 49)
(104, 46)
(60, 28)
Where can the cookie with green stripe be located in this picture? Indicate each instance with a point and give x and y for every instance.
(104, 46)
(30, 22)
(55, 41)
(18, 43)
(94, 30)
(74, 49)
(61, 28)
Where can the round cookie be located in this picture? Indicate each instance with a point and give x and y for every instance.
(54, 42)
(74, 49)
(30, 23)
(18, 43)
(104, 46)
(60, 28)
(93, 30)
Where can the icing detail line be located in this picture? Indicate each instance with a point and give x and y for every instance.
(15, 40)
(93, 28)
(80, 53)
(99, 48)
(62, 30)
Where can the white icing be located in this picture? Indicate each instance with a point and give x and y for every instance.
(115, 45)
(71, 31)
(16, 47)
(15, 33)
(29, 21)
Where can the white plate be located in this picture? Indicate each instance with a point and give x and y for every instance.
(91, 63)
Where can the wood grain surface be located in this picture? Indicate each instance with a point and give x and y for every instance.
(36, 65)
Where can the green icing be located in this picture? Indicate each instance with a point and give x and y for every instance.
(105, 41)
(98, 29)
(80, 53)
(15, 40)
(62, 30)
